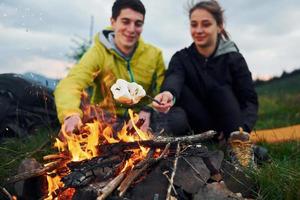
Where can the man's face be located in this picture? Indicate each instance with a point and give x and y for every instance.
(127, 27)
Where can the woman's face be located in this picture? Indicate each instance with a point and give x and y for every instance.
(204, 28)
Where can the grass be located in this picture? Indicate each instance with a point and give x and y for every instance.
(278, 111)
(14, 150)
(279, 103)
(280, 179)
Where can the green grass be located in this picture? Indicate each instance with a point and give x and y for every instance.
(14, 150)
(278, 111)
(280, 179)
(279, 103)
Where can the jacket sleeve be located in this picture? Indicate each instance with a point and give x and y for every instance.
(68, 91)
(244, 88)
(175, 76)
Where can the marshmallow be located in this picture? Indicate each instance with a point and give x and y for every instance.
(127, 93)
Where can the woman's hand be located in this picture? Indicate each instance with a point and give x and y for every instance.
(166, 100)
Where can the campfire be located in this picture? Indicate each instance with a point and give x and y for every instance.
(98, 154)
(78, 149)
(100, 162)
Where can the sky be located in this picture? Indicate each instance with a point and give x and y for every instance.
(38, 35)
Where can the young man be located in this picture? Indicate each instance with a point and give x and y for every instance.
(117, 53)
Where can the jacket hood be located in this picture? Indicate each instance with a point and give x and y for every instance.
(106, 38)
(225, 46)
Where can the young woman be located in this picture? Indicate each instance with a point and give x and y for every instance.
(210, 79)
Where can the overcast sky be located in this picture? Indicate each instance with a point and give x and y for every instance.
(36, 35)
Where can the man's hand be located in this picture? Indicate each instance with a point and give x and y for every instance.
(166, 100)
(72, 122)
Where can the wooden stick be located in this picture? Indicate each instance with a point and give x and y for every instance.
(6, 193)
(191, 139)
(111, 186)
(36, 172)
(169, 196)
(54, 156)
(136, 172)
(158, 142)
(152, 99)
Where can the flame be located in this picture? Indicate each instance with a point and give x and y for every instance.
(53, 184)
(84, 146)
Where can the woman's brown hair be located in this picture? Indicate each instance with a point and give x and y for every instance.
(214, 8)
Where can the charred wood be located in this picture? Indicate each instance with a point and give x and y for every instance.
(84, 172)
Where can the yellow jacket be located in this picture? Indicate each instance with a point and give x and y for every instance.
(101, 66)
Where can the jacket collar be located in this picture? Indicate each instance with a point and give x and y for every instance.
(223, 47)
(106, 37)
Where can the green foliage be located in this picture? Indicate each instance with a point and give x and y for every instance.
(81, 46)
(280, 179)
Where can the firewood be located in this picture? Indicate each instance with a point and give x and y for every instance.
(158, 142)
(171, 184)
(6, 194)
(111, 186)
(135, 172)
(116, 148)
(37, 172)
(54, 157)
(88, 170)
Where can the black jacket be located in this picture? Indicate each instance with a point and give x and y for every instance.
(225, 67)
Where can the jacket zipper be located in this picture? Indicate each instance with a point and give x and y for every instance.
(205, 62)
(129, 71)
(128, 66)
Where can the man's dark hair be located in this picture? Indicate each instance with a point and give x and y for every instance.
(135, 5)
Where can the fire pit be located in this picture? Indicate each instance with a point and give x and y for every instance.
(97, 162)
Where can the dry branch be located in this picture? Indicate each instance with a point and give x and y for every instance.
(158, 142)
(36, 172)
(55, 157)
(171, 184)
(111, 186)
(137, 171)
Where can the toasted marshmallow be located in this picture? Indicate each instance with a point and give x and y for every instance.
(127, 93)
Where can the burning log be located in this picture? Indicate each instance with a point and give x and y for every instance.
(53, 157)
(158, 142)
(84, 172)
(112, 149)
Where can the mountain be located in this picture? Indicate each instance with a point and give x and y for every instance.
(43, 80)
